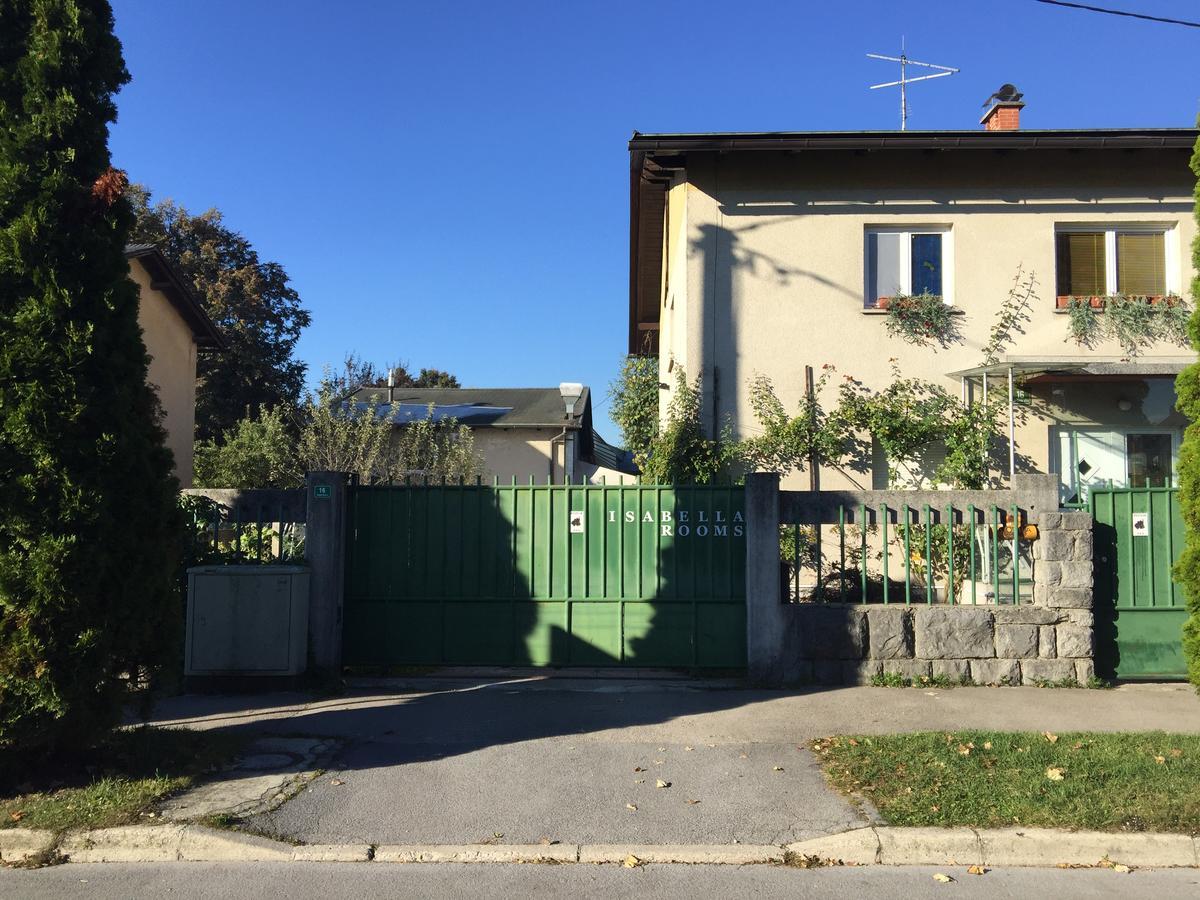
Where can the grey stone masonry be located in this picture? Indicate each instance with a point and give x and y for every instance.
(1048, 640)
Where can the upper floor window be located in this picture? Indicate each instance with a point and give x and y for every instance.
(1094, 262)
(904, 261)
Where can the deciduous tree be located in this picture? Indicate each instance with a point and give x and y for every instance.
(250, 299)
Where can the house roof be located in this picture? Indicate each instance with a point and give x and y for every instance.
(481, 407)
(974, 139)
(170, 281)
(654, 158)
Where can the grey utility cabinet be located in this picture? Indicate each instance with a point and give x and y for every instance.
(247, 620)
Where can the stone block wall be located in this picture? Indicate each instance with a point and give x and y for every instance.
(1050, 639)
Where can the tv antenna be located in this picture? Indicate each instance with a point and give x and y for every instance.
(904, 81)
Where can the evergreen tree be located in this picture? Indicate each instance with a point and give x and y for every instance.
(1187, 389)
(89, 530)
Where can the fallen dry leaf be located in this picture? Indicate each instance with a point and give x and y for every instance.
(1123, 869)
(639, 781)
(987, 745)
(638, 769)
(743, 756)
(17, 816)
(1175, 754)
(940, 877)
(1054, 773)
(976, 870)
(662, 749)
(687, 748)
(659, 762)
(547, 841)
(1160, 759)
(1052, 738)
(693, 802)
(337, 782)
(777, 769)
(632, 862)
(662, 784)
(631, 806)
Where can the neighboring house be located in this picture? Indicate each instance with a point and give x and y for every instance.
(764, 253)
(522, 433)
(175, 329)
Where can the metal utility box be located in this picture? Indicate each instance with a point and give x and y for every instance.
(247, 620)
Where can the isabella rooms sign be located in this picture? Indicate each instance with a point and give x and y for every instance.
(683, 522)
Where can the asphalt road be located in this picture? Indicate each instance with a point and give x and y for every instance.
(507, 760)
(321, 881)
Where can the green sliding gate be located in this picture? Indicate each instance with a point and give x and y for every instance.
(545, 575)
(1139, 607)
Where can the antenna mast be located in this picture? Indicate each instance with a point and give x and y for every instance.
(904, 81)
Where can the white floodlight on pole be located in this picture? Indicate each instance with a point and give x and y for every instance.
(904, 81)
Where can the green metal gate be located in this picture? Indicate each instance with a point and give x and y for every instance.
(545, 575)
(1139, 607)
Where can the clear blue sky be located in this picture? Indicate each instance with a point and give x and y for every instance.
(447, 182)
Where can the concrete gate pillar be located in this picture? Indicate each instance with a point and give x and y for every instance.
(325, 549)
(766, 622)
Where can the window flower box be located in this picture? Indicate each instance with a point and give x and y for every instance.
(1064, 301)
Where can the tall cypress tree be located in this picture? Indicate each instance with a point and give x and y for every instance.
(1187, 389)
(88, 523)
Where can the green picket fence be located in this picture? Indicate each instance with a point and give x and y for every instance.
(907, 554)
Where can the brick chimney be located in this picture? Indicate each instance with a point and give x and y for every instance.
(1003, 117)
(1004, 110)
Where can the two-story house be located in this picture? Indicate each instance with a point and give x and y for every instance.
(766, 253)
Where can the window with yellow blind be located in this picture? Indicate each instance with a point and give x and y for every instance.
(1081, 264)
(1093, 262)
(1141, 264)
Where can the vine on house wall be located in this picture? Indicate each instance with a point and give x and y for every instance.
(1134, 322)
(904, 418)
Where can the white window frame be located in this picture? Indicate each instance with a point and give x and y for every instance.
(907, 232)
(1110, 231)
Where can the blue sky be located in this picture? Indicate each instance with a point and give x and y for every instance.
(447, 183)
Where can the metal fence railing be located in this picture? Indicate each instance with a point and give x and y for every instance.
(921, 553)
(239, 527)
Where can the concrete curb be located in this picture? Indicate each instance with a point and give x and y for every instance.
(699, 854)
(20, 844)
(862, 846)
(477, 853)
(1000, 847)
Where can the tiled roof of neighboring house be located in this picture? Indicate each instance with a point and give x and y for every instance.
(499, 408)
(483, 407)
(170, 281)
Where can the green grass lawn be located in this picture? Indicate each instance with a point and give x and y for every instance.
(114, 783)
(1109, 782)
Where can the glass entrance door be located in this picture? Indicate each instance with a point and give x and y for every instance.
(1113, 458)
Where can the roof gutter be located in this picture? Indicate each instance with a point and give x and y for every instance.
(1107, 139)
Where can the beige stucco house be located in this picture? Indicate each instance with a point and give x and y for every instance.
(175, 329)
(766, 253)
(520, 433)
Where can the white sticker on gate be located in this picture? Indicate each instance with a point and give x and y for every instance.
(577, 521)
(1141, 524)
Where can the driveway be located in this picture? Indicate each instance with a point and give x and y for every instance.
(527, 759)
